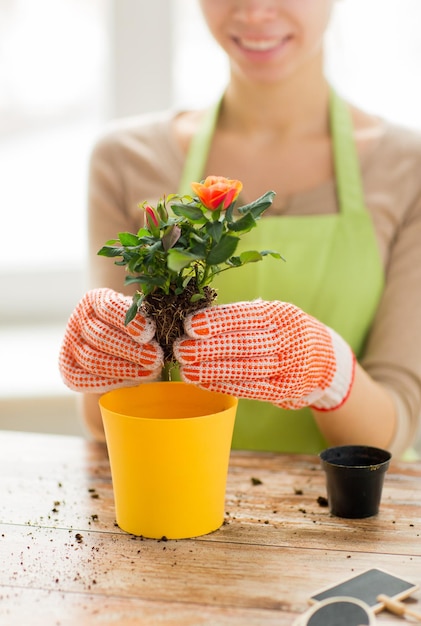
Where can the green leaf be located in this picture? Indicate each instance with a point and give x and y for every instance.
(228, 213)
(244, 224)
(196, 297)
(144, 279)
(260, 205)
(186, 281)
(214, 230)
(276, 255)
(222, 250)
(190, 212)
(131, 280)
(128, 239)
(234, 261)
(251, 256)
(111, 251)
(149, 252)
(198, 250)
(131, 313)
(178, 260)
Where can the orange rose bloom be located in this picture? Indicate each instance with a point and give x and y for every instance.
(217, 192)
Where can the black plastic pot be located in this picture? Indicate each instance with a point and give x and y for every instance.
(354, 479)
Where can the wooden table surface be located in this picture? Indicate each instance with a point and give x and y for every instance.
(63, 560)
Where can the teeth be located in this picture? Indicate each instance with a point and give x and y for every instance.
(260, 45)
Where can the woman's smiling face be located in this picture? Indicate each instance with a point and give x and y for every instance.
(267, 40)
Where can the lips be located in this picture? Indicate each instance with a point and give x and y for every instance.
(261, 46)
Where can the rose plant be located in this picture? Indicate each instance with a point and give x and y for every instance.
(184, 243)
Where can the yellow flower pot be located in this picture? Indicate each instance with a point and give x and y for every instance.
(169, 446)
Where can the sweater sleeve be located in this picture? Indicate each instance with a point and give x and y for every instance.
(134, 160)
(393, 351)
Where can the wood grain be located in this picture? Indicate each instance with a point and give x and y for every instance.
(63, 560)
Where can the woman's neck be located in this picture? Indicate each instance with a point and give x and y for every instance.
(295, 107)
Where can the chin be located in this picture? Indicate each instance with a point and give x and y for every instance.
(264, 77)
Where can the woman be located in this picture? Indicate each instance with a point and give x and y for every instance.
(347, 217)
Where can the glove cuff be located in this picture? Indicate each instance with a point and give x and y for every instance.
(338, 391)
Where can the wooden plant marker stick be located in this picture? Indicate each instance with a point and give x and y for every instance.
(398, 608)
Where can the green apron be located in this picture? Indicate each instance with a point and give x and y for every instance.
(333, 271)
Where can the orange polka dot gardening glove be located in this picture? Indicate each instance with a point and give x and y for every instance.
(270, 351)
(100, 353)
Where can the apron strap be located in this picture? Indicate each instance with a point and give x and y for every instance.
(346, 163)
(198, 151)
